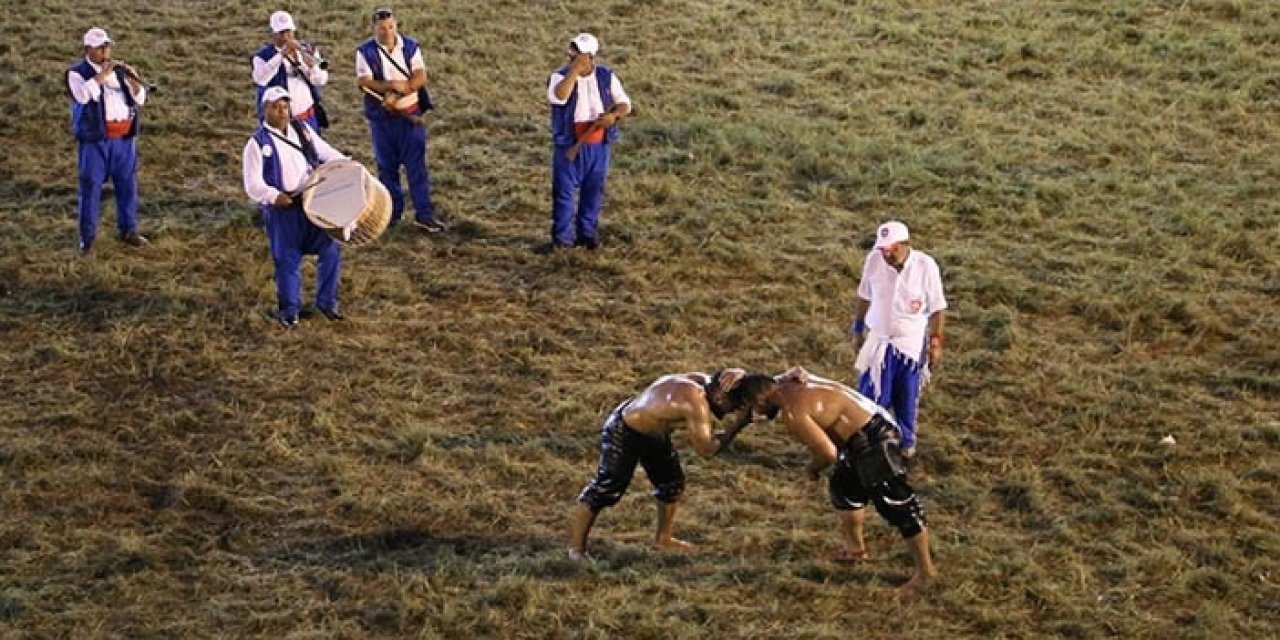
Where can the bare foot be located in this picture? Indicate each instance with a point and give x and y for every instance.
(916, 587)
(846, 554)
(675, 544)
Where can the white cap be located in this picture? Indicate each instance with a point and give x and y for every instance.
(282, 21)
(891, 232)
(274, 93)
(96, 37)
(586, 43)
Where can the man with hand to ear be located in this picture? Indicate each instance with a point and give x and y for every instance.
(587, 103)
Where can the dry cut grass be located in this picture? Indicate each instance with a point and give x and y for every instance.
(1098, 182)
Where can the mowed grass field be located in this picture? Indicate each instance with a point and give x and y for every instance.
(1097, 180)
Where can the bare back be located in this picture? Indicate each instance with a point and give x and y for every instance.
(822, 414)
(671, 402)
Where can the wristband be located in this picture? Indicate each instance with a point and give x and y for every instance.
(859, 326)
(935, 340)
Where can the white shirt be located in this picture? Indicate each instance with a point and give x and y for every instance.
(264, 71)
(901, 302)
(389, 71)
(112, 94)
(590, 105)
(293, 165)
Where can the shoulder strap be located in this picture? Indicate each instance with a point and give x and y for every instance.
(392, 60)
(302, 148)
(315, 97)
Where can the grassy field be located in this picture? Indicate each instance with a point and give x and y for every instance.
(1099, 182)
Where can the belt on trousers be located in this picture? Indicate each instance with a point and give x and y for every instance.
(118, 128)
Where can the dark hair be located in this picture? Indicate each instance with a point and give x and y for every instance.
(382, 14)
(749, 390)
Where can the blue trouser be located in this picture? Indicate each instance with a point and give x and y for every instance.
(581, 179)
(116, 158)
(291, 235)
(396, 142)
(900, 382)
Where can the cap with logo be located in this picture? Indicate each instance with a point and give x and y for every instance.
(891, 233)
(586, 43)
(282, 21)
(274, 93)
(96, 37)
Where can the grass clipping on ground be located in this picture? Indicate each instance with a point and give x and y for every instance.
(1098, 184)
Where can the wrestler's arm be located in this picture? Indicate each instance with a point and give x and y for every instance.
(822, 450)
(698, 421)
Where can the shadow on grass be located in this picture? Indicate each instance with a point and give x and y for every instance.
(97, 306)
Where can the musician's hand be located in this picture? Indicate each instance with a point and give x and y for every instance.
(389, 101)
(607, 119)
(283, 200)
(581, 64)
(399, 86)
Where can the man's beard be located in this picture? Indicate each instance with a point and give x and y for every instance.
(718, 410)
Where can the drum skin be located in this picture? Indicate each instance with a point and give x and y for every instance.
(347, 202)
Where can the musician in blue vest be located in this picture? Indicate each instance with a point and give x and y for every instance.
(587, 102)
(278, 158)
(105, 97)
(393, 79)
(294, 65)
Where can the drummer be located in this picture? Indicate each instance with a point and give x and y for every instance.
(278, 158)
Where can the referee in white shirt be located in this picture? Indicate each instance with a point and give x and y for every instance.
(897, 326)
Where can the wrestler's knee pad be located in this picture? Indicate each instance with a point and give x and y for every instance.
(598, 495)
(670, 489)
(900, 506)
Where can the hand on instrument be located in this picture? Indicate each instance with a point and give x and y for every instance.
(399, 86)
(283, 200)
(389, 100)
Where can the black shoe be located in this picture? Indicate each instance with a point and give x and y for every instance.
(550, 248)
(430, 226)
(331, 313)
(590, 243)
(83, 248)
(288, 322)
(134, 239)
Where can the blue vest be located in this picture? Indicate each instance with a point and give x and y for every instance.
(271, 163)
(89, 121)
(369, 50)
(266, 53)
(562, 115)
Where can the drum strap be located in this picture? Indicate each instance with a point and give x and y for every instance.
(305, 148)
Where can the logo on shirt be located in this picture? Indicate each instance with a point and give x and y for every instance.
(266, 151)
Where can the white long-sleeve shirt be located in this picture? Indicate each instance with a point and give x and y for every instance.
(391, 73)
(111, 93)
(590, 105)
(294, 169)
(264, 71)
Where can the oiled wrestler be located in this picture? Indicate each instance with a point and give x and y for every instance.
(639, 431)
(842, 427)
